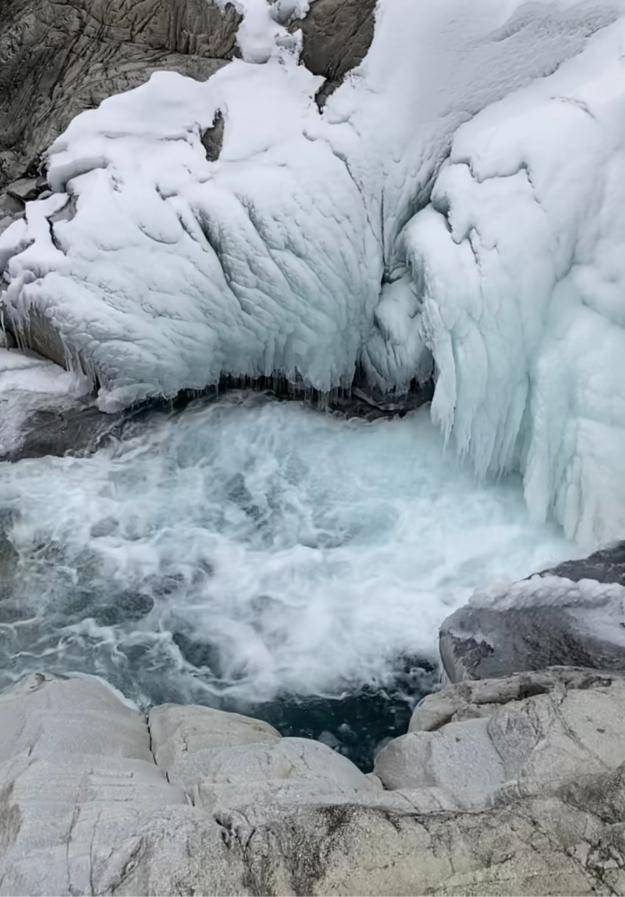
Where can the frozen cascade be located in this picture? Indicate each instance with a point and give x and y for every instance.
(522, 272)
(159, 269)
(247, 548)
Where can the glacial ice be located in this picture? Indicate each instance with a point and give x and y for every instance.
(460, 197)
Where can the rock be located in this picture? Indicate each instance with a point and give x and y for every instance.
(225, 759)
(9, 560)
(523, 736)
(44, 410)
(5, 222)
(82, 798)
(10, 206)
(606, 565)
(57, 59)
(337, 35)
(87, 807)
(42, 716)
(213, 138)
(544, 846)
(291, 771)
(179, 733)
(25, 189)
(573, 615)
(50, 431)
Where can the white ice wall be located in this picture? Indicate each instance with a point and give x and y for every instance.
(522, 260)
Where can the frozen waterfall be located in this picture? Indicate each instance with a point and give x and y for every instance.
(461, 195)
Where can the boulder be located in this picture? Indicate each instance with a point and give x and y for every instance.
(25, 189)
(527, 735)
(573, 614)
(87, 808)
(291, 771)
(185, 737)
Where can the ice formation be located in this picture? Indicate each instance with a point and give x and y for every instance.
(460, 195)
(521, 260)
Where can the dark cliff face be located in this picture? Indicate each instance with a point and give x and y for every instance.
(337, 36)
(59, 57)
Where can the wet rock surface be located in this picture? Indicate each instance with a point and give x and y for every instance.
(572, 614)
(95, 798)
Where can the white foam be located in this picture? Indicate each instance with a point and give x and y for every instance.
(311, 551)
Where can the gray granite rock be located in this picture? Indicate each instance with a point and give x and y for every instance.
(87, 808)
(184, 738)
(524, 736)
(291, 771)
(573, 614)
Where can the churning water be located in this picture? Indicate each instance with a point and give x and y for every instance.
(249, 549)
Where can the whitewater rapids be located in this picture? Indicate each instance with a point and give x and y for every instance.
(248, 548)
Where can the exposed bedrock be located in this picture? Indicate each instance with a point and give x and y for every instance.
(573, 614)
(95, 798)
(337, 35)
(58, 58)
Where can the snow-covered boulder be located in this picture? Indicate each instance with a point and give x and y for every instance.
(573, 614)
(57, 59)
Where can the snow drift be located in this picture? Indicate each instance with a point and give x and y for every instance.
(461, 194)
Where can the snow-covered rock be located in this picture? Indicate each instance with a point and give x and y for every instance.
(57, 59)
(298, 251)
(573, 614)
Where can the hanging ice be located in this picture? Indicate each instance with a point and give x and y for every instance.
(523, 286)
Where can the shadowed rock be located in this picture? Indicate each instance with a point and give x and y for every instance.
(543, 621)
(337, 36)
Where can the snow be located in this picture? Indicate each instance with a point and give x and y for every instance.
(598, 608)
(174, 269)
(552, 591)
(263, 33)
(460, 197)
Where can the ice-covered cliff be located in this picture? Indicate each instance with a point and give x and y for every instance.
(460, 194)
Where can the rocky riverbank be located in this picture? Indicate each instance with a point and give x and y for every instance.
(511, 785)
